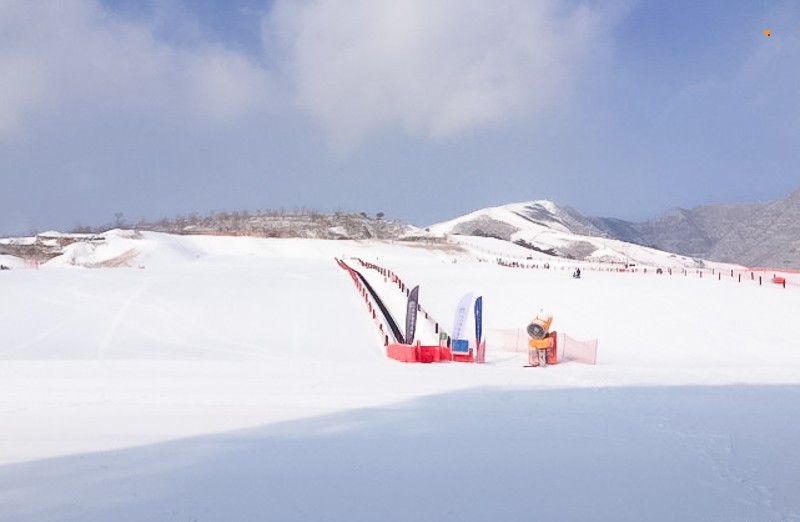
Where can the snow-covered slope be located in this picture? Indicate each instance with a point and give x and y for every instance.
(544, 228)
(498, 221)
(210, 378)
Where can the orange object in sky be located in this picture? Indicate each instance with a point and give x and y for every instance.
(767, 33)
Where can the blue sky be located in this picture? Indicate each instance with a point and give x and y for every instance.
(421, 109)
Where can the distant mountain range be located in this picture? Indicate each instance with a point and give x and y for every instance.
(750, 234)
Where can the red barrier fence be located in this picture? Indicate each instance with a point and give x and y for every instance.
(782, 277)
(402, 287)
(371, 308)
(418, 353)
(567, 348)
(579, 351)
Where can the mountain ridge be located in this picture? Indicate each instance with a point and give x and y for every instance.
(750, 234)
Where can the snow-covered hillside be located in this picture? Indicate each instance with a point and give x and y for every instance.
(544, 228)
(214, 378)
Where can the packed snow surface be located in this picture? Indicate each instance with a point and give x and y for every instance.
(239, 379)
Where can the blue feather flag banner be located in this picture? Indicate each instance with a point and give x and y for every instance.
(478, 320)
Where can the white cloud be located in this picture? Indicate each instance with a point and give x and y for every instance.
(435, 68)
(22, 76)
(75, 60)
(431, 68)
(225, 85)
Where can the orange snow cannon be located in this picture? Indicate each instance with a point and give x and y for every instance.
(542, 343)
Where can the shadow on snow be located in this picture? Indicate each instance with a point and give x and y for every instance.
(648, 453)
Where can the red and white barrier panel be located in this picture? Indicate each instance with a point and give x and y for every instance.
(411, 353)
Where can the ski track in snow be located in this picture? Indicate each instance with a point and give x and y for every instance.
(105, 341)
